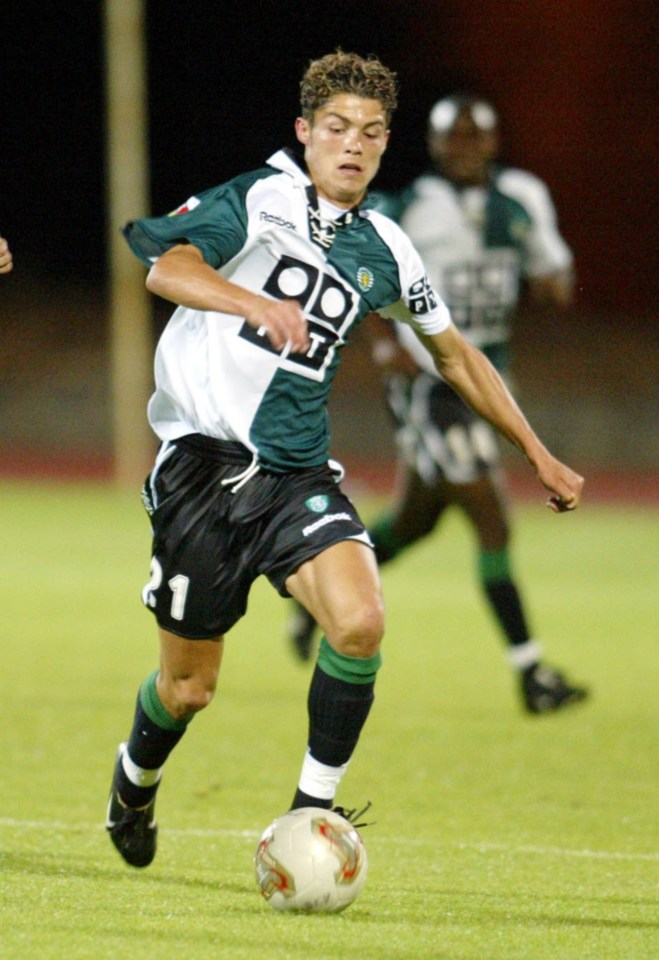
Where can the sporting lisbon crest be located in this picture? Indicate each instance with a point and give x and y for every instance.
(365, 279)
(317, 504)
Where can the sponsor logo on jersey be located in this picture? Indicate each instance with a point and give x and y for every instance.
(317, 504)
(329, 305)
(279, 221)
(365, 278)
(421, 298)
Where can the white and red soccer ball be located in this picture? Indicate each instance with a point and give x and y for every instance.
(310, 859)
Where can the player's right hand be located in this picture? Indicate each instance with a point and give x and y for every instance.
(6, 260)
(284, 322)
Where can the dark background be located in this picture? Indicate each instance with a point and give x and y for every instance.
(575, 84)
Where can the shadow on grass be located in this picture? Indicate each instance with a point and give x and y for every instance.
(458, 904)
(536, 919)
(51, 865)
(472, 907)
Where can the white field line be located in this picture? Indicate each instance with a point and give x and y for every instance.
(10, 823)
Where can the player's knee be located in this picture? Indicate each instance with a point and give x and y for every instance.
(188, 695)
(359, 631)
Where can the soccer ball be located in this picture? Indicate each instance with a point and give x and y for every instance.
(310, 859)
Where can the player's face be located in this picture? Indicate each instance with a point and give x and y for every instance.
(464, 152)
(343, 147)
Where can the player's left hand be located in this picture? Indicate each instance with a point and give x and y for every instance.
(561, 504)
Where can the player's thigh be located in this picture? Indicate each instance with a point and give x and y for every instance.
(341, 589)
(485, 504)
(419, 504)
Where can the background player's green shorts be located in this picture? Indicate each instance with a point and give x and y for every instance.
(212, 540)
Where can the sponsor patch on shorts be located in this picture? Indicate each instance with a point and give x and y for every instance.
(323, 521)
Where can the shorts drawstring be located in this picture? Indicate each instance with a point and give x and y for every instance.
(241, 478)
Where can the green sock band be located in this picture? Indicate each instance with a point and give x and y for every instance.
(349, 669)
(154, 709)
(494, 565)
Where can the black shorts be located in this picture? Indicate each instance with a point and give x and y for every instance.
(212, 540)
(437, 434)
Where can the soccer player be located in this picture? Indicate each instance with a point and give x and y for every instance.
(272, 272)
(484, 233)
(6, 259)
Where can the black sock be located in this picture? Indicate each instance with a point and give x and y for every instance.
(506, 604)
(148, 747)
(337, 713)
(341, 694)
(302, 799)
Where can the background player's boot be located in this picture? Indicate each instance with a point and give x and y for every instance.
(300, 631)
(132, 830)
(545, 690)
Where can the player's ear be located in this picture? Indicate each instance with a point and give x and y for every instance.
(302, 130)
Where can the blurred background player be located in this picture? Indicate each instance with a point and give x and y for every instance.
(488, 235)
(6, 260)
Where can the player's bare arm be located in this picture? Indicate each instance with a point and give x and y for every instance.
(182, 276)
(6, 259)
(472, 375)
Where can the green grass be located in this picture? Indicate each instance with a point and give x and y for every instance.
(498, 836)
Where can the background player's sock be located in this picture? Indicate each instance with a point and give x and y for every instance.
(503, 596)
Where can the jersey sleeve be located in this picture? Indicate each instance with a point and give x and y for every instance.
(214, 221)
(419, 305)
(546, 251)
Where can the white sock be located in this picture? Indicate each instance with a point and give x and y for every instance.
(319, 780)
(138, 775)
(524, 655)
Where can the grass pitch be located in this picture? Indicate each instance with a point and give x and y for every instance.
(498, 836)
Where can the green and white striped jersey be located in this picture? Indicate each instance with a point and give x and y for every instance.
(218, 376)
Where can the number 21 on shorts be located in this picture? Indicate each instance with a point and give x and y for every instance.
(178, 586)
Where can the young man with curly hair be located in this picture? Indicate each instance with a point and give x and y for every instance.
(271, 273)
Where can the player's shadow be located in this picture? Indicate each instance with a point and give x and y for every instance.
(51, 865)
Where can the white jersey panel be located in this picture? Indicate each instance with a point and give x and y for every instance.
(419, 306)
(547, 251)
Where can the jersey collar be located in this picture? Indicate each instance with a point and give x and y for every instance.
(321, 230)
(286, 161)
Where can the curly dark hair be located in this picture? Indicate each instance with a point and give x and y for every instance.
(341, 72)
